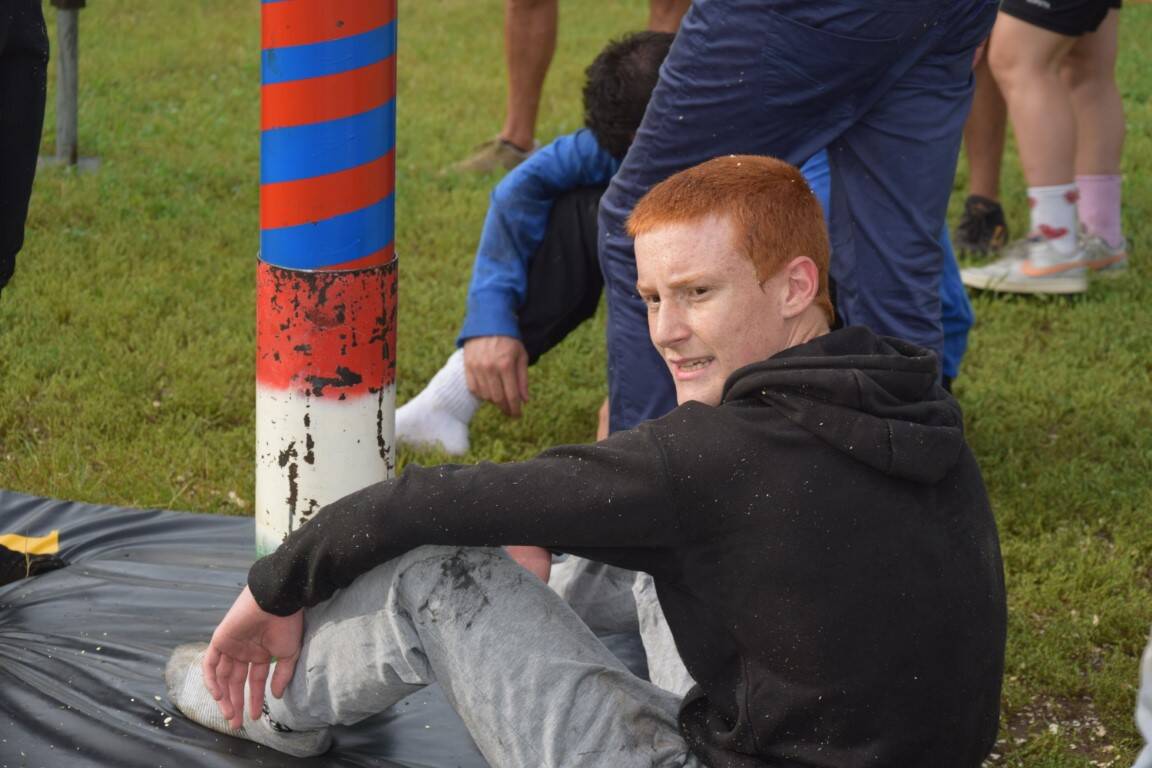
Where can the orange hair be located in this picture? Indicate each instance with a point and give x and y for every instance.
(770, 204)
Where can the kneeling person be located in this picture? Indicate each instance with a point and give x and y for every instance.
(815, 526)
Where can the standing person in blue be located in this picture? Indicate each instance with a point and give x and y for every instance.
(536, 276)
(885, 87)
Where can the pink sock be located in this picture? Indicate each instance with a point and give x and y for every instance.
(1100, 206)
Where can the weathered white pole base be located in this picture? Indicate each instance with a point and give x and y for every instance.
(325, 391)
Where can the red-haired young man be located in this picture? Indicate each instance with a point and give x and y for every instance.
(822, 581)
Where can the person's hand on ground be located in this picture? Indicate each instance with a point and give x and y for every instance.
(535, 559)
(242, 649)
(497, 371)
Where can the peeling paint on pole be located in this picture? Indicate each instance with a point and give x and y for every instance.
(326, 301)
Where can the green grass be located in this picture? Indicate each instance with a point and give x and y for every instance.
(126, 339)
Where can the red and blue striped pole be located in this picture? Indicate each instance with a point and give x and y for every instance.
(326, 300)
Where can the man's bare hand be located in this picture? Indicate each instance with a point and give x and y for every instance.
(242, 649)
(497, 371)
(534, 559)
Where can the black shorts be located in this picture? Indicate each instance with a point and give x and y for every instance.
(564, 280)
(1071, 18)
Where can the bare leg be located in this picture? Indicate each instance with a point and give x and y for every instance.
(984, 134)
(1026, 60)
(665, 15)
(982, 228)
(530, 28)
(1089, 72)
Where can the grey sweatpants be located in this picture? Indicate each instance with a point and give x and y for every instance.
(533, 684)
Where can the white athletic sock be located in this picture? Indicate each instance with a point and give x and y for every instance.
(1054, 216)
(441, 412)
(186, 689)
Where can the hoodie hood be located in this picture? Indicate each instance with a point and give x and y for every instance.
(875, 398)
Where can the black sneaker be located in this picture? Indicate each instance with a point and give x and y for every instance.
(982, 229)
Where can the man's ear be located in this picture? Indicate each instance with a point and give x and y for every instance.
(802, 282)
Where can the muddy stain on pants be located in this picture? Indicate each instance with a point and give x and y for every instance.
(530, 680)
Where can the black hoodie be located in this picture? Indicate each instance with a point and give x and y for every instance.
(821, 544)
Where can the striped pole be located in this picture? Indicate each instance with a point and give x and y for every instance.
(326, 298)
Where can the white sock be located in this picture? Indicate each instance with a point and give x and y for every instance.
(1054, 216)
(441, 412)
(187, 691)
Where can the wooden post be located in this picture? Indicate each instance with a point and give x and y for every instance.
(67, 79)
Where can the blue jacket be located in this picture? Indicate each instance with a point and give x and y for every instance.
(518, 217)
(515, 225)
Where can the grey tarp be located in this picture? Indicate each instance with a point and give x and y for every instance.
(82, 649)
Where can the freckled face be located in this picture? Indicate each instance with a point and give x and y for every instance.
(708, 315)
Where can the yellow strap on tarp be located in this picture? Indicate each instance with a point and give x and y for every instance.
(32, 545)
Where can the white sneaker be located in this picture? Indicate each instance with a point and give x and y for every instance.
(187, 691)
(1032, 266)
(1103, 259)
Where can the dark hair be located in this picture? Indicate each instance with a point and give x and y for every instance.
(617, 87)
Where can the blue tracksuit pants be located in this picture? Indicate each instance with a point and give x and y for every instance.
(884, 85)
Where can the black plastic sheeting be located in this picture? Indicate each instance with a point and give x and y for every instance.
(20, 565)
(83, 648)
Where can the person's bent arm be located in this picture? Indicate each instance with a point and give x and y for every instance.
(612, 499)
(495, 360)
(516, 223)
(613, 495)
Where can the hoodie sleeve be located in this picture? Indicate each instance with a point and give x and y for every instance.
(612, 497)
(515, 225)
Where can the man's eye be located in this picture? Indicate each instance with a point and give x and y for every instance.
(699, 291)
(651, 301)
